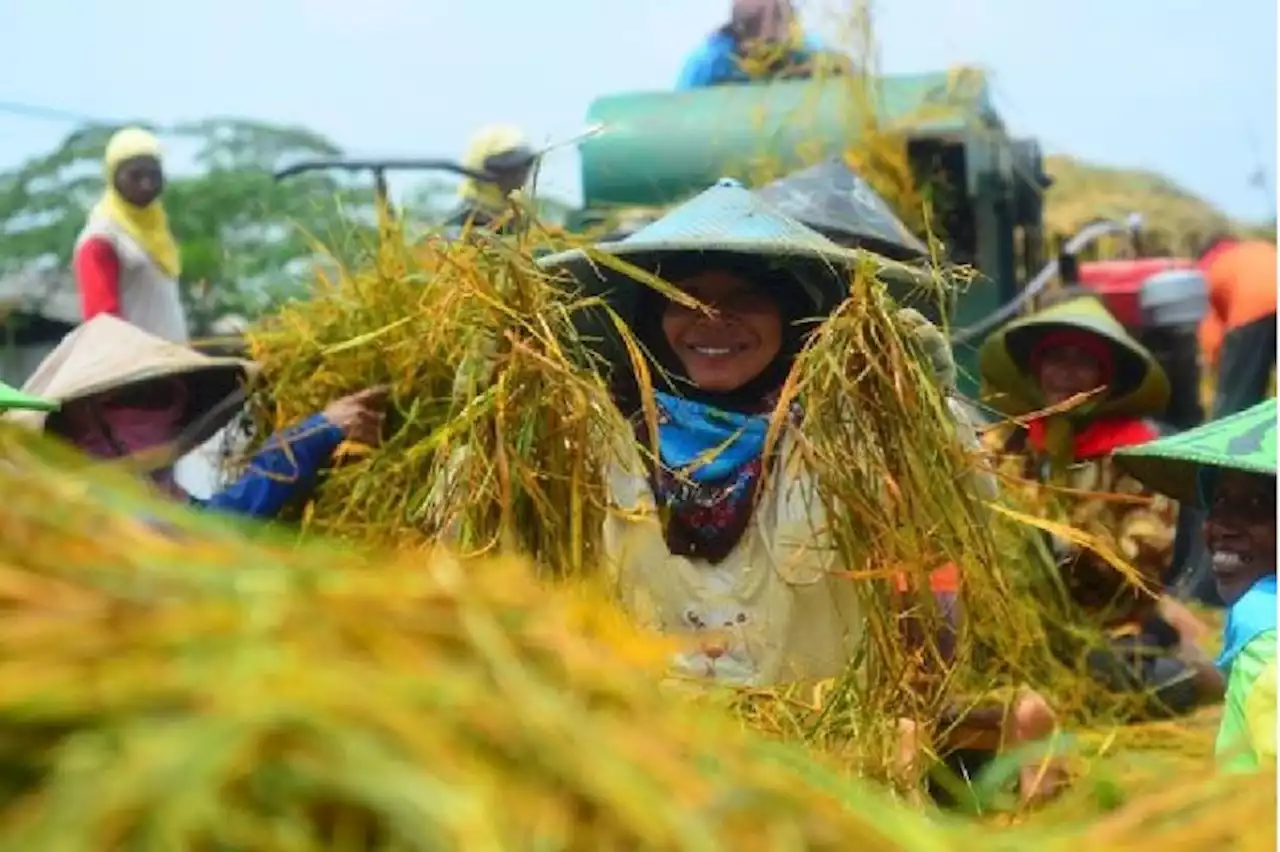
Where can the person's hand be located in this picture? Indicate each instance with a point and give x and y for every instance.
(933, 345)
(1190, 629)
(360, 415)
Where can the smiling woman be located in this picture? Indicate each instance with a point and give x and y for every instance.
(721, 528)
(1240, 532)
(721, 537)
(709, 535)
(735, 341)
(734, 349)
(1229, 467)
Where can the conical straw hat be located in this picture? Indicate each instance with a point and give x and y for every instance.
(108, 354)
(726, 219)
(1244, 442)
(1140, 387)
(834, 200)
(726, 222)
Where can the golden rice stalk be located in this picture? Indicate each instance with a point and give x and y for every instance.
(1084, 520)
(1194, 812)
(495, 429)
(192, 689)
(896, 489)
(168, 683)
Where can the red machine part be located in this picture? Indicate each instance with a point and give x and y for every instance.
(1119, 283)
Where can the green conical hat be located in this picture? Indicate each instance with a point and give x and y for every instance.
(1140, 387)
(12, 399)
(1244, 442)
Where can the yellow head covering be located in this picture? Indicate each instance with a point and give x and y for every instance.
(148, 225)
(489, 142)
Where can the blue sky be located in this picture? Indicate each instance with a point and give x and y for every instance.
(1185, 87)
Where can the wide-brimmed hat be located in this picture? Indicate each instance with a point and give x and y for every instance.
(834, 200)
(1139, 386)
(107, 354)
(1243, 442)
(728, 220)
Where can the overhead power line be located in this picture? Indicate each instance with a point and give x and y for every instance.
(39, 112)
(45, 113)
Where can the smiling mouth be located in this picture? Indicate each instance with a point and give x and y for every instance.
(1229, 563)
(718, 351)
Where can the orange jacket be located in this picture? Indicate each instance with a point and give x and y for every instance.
(1242, 288)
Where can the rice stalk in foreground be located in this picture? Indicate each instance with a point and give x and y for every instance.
(194, 688)
(340, 698)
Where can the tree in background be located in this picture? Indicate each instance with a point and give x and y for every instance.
(246, 240)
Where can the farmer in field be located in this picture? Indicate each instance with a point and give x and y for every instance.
(503, 152)
(719, 539)
(126, 260)
(1239, 333)
(762, 40)
(1096, 385)
(1228, 467)
(124, 393)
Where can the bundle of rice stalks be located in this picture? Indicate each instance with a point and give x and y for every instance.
(191, 689)
(899, 498)
(849, 86)
(497, 424)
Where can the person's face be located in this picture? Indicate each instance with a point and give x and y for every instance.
(512, 179)
(1066, 371)
(768, 21)
(723, 351)
(158, 395)
(1240, 532)
(139, 180)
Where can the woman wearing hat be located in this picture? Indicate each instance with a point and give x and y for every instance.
(1228, 467)
(700, 545)
(1097, 386)
(122, 392)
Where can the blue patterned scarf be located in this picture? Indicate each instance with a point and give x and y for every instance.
(710, 466)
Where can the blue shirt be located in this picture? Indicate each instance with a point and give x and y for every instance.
(1248, 618)
(715, 61)
(286, 467)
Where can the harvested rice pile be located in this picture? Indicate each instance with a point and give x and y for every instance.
(201, 691)
(194, 689)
